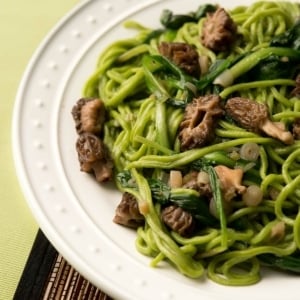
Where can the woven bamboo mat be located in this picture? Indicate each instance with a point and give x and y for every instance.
(66, 283)
(48, 276)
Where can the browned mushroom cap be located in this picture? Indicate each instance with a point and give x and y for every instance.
(253, 116)
(248, 113)
(89, 115)
(183, 55)
(94, 157)
(178, 220)
(219, 31)
(199, 121)
(127, 212)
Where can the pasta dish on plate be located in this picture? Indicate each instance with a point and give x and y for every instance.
(198, 125)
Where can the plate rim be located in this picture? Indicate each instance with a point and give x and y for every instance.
(19, 165)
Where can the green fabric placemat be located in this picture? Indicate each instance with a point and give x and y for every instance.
(23, 25)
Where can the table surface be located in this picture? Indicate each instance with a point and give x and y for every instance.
(23, 25)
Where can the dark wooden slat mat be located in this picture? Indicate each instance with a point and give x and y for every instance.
(48, 276)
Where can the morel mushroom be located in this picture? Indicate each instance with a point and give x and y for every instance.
(127, 212)
(183, 55)
(219, 31)
(94, 157)
(89, 115)
(178, 220)
(254, 117)
(199, 121)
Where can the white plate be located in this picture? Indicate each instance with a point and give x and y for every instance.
(71, 208)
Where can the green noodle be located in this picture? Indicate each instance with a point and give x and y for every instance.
(141, 134)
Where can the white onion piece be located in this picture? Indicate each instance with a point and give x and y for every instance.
(224, 79)
(249, 151)
(227, 208)
(204, 64)
(175, 179)
(278, 231)
(253, 195)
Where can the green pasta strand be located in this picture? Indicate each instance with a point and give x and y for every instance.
(181, 159)
(234, 258)
(283, 195)
(166, 245)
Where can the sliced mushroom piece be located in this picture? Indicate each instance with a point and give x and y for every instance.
(230, 181)
(89, 115)
(94, 156)
(175, 180)
(127, 212)
(219, 31)
(199, 121)
(254, 117)
(178, 220)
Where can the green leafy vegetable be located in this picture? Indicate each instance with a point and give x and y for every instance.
(274, 67)
(191, 201)
(219, 66)
(173, 69)
(290, 38)
(217, 197)
(216, 69)
(286, 263)
(251, 60)
(171, 21)
(188, 199)
(126, 180)
(203, 10)
(173, 77)
(153, 34)
(159, 190)
(154, 85)
(169, 77)
(175, 21)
